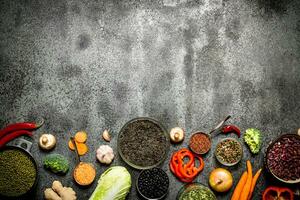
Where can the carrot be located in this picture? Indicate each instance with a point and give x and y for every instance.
(82, 148)
(255, 178)
(239, 187)
(71, 145)
(81, 137)
(247, 187)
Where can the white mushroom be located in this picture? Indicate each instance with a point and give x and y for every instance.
(47, 141)
(176, 134)
(105, 154)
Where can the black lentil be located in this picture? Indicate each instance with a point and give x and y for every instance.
(153, 183)
(143, 143)
(17, 172)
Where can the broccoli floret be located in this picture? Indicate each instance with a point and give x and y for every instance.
(253, 139)
(57, 163)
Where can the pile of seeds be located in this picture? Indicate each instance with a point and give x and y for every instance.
(283, 158)
(229, 151)
(18, 173)
(143, 143)
(153, 183)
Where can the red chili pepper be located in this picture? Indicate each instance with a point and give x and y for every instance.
(273, 192)
(5, 139)
(230, 129)
(20, 126)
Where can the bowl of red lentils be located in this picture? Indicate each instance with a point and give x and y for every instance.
(200, 143)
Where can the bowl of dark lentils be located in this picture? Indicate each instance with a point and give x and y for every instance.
(153, 184)
(283, 158)
(143, 143)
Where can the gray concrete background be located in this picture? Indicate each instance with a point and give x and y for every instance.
(90, 65)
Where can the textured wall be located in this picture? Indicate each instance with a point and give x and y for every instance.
(87, 64)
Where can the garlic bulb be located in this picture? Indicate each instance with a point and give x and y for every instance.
(105, 154)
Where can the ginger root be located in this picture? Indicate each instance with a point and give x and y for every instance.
(58, 192)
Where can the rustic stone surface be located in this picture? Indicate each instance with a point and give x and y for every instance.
(91, 65)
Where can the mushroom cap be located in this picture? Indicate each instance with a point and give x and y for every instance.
(47, 141)
(177, 134)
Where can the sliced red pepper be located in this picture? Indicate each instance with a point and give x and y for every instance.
(185, 172)
(175, 165)
(182, 155)
(5, 139)
(20, 126)
(231, 128)
(201, 163)
(282, 193)
(186, 180)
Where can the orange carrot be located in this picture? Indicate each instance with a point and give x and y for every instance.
(81, 137)
(247, 187)
(239, 187)
(82, 148)
(255, 178)
(71, 145)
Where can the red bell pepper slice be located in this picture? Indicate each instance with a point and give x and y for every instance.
(282, 193)
(185, 172)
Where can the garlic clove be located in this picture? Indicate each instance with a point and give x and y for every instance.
(106, 135)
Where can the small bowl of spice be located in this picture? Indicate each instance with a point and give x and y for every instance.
(229, 151)
(153, 184)
(200, 143)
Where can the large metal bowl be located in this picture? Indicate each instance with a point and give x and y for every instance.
(167, 144)
(24, 146)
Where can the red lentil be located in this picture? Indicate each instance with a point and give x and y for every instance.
(200, 143)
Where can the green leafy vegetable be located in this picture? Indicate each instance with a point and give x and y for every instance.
(114, 184)
(57, 163)
(253, 139)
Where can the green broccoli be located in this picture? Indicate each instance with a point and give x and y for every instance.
(253, 139)
(57, 163)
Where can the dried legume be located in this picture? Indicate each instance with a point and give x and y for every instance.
(153, 183)
(283, 158)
